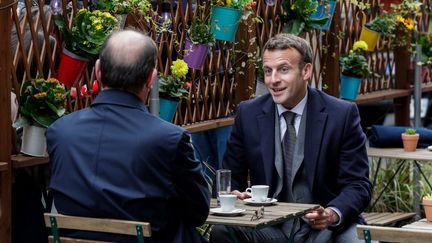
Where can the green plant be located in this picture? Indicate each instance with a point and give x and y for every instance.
(384, 24)
(410, 131)
(173, 86)
(296, 15)
(239, 4)
(199, 33)
(88, 32)
(355, 63)
(428, 196)
(425, 40)
(42, 102)
(125, 6)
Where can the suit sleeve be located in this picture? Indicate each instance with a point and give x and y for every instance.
(190, 184)
(353, 177)
(235, 158)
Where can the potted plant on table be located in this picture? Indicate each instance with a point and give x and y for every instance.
(225, 17)
(427, 204)
(172, 88)
(354, 68)
(298, 16)
(410, 139)
(82, 42)
(42, 102)
(197, 44)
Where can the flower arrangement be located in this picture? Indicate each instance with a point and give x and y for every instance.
(297, 16)
(404, 14)
(384, 24)
(125, 6)
(173, 86)
(42, 102)
(355, 63)
(238, 4)
(199, 33)
(88, 32)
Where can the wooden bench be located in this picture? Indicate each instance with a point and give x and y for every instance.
(386, 219)
(392, 234)
(115, 226)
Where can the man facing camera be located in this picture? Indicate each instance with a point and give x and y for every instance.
(116, 160)
(308, 146)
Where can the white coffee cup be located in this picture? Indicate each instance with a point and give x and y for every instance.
(259, 192)
(227, 202)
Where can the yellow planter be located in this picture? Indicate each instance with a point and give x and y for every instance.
(370, 37)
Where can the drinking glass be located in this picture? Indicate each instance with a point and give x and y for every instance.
(223, 182)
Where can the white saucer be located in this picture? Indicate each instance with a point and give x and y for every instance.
(269, 201)
(218, 211)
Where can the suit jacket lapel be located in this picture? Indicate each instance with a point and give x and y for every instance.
(267, 131)
(315, 124)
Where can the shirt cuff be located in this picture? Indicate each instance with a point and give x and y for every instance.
(339, 214)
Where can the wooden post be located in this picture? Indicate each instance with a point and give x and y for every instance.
(331, 57)
(402, 79)
(5, 121)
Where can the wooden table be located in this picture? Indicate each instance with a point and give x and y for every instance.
(420, 155)
(273, 214)
(422, 224)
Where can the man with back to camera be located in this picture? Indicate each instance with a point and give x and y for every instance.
(116, 160)
(308, 146)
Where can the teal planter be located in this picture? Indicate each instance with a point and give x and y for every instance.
(349, 87)
(224, 22)
(327, 11)
(167, 109)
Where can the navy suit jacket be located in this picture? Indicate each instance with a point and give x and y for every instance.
(116, 160)
(335, 158)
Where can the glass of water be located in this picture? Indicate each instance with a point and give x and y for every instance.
(223, 182)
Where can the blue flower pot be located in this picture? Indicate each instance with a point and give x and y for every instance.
(349, 87)
(320, 13)
(224, 22)
(167, 109)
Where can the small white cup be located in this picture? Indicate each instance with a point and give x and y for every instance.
(227, 202)
(259, 192)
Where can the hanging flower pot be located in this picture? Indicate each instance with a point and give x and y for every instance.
(167, 108)
(195, 54)
(349, 87)
(224, 22)
(34, 141)
(71, 69)
(370, 37)
(325, 11)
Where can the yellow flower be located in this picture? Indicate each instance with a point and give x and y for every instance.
(400, 19)
(360, 45)
(228, 2)
(409, 23)
(40, 95)
(179, 69)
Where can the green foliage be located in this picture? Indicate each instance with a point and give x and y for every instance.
(410, 131)
(384, 24)
(199, 33)
(355, 64)
(125, 6)
(88, 33)
(42, 102)
(238, 4)
(425, 40)
(171, 87)
(296, 15)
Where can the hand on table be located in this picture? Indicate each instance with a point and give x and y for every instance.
(241, 195)
(321, 218)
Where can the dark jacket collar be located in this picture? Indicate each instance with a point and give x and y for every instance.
(119, 97)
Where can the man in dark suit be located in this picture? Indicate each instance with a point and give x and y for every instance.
(327, 163)
(116, 160)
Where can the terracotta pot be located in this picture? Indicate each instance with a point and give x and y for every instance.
(410, 142)
(427, 204)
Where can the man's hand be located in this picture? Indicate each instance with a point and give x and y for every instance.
(241, 195)
(321, 218)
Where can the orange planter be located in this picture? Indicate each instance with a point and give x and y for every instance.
(427, 204)
(410, 142)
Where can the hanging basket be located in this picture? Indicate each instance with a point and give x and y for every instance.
(224, 22)
(327, 11)
(34, 141)
(370, 37)
(349, 87)
(195, 54)
(71, 69)
(168, 109)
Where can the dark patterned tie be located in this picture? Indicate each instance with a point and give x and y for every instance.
(288, 146)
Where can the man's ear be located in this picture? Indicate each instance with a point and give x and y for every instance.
(307, 71)
(151, 78)
(98, 71)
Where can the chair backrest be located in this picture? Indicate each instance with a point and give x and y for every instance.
(114, 226)
(392, 234)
